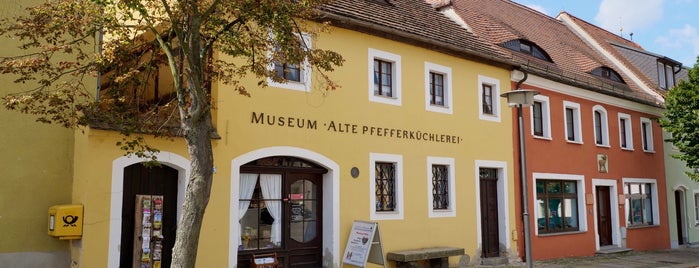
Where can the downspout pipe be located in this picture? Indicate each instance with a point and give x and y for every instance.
(520, 82)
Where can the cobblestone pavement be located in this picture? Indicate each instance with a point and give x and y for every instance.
(683, 257)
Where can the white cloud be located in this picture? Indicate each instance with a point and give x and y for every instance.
(630, 15)
(682, 40)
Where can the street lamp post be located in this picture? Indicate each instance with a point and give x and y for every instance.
(523, 98)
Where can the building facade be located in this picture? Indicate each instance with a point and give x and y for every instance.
(595, 170)
(658, 74)
(36, 163)
(417, 140)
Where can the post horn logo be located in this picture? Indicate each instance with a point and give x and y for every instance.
(69, 220)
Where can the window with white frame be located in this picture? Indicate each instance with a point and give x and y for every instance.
(641, 202)
(572, 121)
(294, 76)
(625, 137)
(440, 183)
(647, 134)
(438, 88)
(488, 98)
(559, 203)
(601, 125)
(540, 117)
(386, 186)
(384, 77)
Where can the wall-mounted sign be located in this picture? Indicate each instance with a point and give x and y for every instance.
(353, 128)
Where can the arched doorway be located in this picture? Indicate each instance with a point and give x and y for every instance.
(151, 183)
(281, 211)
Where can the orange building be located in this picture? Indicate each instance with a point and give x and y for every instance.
(595, 169)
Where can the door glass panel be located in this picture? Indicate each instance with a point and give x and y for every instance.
(309, 208)
(304, 211)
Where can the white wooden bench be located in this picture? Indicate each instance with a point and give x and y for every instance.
(437, 256)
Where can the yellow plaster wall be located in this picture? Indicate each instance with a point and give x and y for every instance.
(480, 140)
(35, 160)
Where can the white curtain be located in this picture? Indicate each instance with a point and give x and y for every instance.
(271, 186)
(247, 187)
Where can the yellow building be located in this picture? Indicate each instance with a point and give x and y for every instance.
(417, 140)
(36, 174)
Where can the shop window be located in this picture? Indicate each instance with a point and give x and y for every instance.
(260, 211)
(557, 206)
(641, 202)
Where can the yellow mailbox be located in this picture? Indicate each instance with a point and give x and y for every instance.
(66, 221)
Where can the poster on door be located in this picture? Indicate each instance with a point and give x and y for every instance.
(148, 231)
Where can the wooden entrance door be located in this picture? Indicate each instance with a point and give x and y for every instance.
(490, 226)
(303, 220)
(679, 214)
(142, 180)
(604, 218)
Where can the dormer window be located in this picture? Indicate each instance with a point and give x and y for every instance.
(608, 73)
(666, 75)
(527, 47)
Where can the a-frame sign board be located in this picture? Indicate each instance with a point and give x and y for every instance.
(364, 245)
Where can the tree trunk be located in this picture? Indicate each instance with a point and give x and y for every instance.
(197, 193)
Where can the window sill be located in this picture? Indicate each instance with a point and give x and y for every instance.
(574, 142)
(627, 149)
(561, 233)
(489, 117)
(650, 152)
(603, 146)
(634, 227)
(542, 137)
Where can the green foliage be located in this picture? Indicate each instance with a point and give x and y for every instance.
(131, 43)
(128, 46)
(681, 119)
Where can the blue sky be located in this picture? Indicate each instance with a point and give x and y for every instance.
(665, 27)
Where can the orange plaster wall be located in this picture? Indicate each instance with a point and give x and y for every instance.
(559, 156)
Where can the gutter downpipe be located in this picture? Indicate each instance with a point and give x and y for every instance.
(523, 179)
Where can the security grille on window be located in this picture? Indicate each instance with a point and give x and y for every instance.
(557, 202)
(383, 78)
(487, 99)
(440, 187)
(639, 204)
(385, 186)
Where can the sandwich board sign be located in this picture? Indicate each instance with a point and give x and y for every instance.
(364, 245)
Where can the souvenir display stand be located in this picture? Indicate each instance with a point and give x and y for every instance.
(148, 231)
